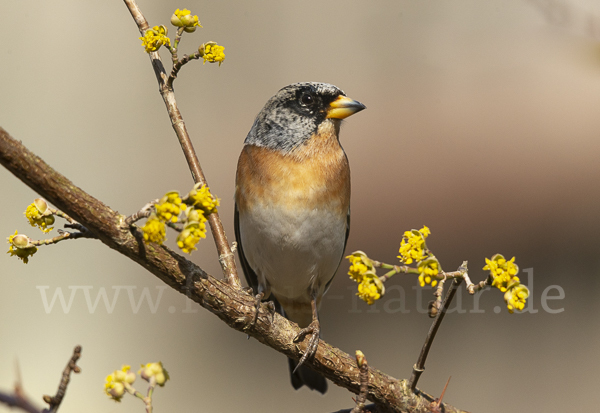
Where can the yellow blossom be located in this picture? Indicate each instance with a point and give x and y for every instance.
(428, 269)
(201, 198)
(189, 237)
(156, 371)
(38, 215)
(515, 297)
(412, 246)
(184, 18)
(370, 288)
(195, 215)
(359, 265)
(169, 207)
(117, 382)
(212, 53)
(154, 230)
(21, 246)
(503, 272)
(155, 38)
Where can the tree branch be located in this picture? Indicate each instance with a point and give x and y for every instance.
(56, 400)
(18, 400)
(228, 302)
(226, 257)
(419, 366)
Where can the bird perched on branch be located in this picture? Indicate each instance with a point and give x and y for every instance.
(292, 212)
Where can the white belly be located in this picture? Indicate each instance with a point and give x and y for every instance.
(293, 251)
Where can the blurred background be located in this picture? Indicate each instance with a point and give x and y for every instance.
(482, 123)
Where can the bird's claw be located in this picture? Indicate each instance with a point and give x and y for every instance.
(258, 300)
(314, 330)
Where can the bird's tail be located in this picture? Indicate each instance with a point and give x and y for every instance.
(305, 376)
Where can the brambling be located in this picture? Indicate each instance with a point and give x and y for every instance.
(292, 213)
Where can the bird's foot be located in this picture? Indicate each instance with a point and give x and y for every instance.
(258, 300)
(314, 329)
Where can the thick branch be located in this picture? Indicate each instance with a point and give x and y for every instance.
(230, 303)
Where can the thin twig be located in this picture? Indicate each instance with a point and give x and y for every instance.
(63, 235)
(175, 47)
(142, 213)
(394, 269)
(56, 400)
(435, 305)
(361, 362)
(419, 367)
(178, 65)
(226, 257)
(18, 399)
(473, 288)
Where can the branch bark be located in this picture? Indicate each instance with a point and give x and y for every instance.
(228, 302)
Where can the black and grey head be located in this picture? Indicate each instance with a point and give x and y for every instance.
(294, 114)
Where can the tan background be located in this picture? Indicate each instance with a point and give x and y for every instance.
(482, 123)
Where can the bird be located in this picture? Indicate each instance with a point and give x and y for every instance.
(292, 207)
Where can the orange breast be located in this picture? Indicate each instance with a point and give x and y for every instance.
(315, 175)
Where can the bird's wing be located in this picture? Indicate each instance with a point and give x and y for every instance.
(249, 273)
(345, 243)
(251, 277)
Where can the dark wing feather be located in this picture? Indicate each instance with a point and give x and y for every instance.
(345, 243)
(251, 277)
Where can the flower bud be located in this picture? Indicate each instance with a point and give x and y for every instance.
(21, 241)
(195, 215)
(117, 391)
(48, 220)
(360, 358)
(41, 205)
(184, 18)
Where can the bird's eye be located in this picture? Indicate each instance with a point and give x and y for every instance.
(307, 99)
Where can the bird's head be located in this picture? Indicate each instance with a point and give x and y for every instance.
(294, 114)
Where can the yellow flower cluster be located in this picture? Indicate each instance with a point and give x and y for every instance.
(370, 287)
(21, 246)
(201, 198)
(39, 216)
(155, 38)
(412, 246)
(118, 381)
(358, 268)
(154, 230)
(503, 272)
(200, 204)
(427, 269)
(504, 277)
(154, 371)
(169, 207)
(515, 298)
(183, 18)
(212, 53)
(190, 236)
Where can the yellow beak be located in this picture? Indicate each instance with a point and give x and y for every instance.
(343, 107)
